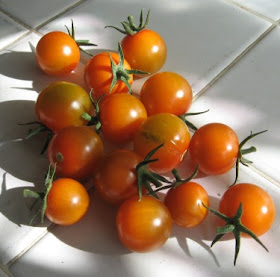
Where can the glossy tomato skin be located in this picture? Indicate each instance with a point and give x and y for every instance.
(258, 207)
(61, 104)
(67, 202)
(167, 129)
(214, 147)
(166, 92)
(57, 53)
(144, 225)
(77, 150)
(121, 115)
(185, 204)
(116, 178)
(98, 75)
(145, 50)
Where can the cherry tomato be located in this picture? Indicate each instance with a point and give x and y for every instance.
(77, 150)
(120, 116)
(67, 202)
(57, 53)
(167, 129)
(258, 207)
(166, 92)
(143, 225)
(98, 74)
(116, 178)
(145, 50)
(61, 104)
(215, 148)
(185, 204)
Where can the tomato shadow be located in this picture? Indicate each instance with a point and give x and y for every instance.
(20, 157)
(98, 229)
(14, 206)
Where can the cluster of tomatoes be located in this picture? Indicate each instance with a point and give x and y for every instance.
(79, 123)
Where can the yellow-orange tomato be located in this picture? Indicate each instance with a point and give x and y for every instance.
(214, 147)
(167, 129)
(258, 207)
(57, 53)
(145, 50)
(166, 92)
(67, 202)
(185, 204)
(144, 225)
(121, 115)
(98, 74)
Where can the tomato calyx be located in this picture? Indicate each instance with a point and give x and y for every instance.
(242, 152)
(41, 196)
(80, 42)
(120, 73)
(145, 177)
(188, 123)
(40, 128)
(130, 27)
(234, 225)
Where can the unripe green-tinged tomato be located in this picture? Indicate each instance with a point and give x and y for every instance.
(62, 104)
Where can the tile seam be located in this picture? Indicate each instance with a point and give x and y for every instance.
(234, 61)
(252, 11)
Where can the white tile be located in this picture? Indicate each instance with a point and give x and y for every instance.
(247, 98)
(202, 36)
(9, 30)
(91, 248)
(35, 12)
(268, 8)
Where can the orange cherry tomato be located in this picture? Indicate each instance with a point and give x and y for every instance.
(166, 92)
(144, 225)
(67, 202)
(121, 115)
(145, 50)
(258, 207)
(185, 204)
(214, 147)
(57, 53)
(98, 74)
(167, 129)
(116, 177)
(62, 104)
(76, 150)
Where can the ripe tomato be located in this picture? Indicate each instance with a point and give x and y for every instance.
(143, 225)
(185, 204)
(61, 104)
(215, 148)
(77, 150)
(98, 74)
(67, 202)
(167, 129)
(258, 207)
(120, 116)
(116, 178)
(57, 53)
(145, 50)
(166, 92)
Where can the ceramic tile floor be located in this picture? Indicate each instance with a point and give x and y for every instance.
(229, 52)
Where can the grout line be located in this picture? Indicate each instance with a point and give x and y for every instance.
(250, 11)
(59, 14)
(6, 271)
(264, 175)
(13, 260)
(236, 60)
